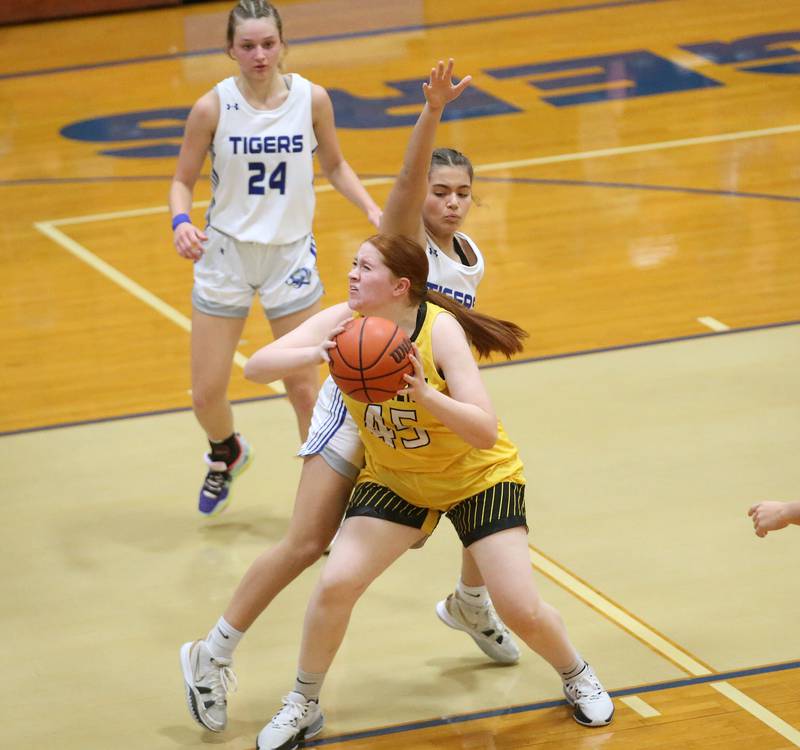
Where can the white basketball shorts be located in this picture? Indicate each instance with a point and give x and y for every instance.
(231, 273)
(333, 433)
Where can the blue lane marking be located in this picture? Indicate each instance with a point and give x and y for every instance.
(81, 180)
(120, 417)
(337, 37)
(640, 186)
(517, 180)
(528, 360)
(22, 182)
(639, 344)
(670, 685)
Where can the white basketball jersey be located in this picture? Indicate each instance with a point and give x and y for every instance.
(262, 166)
(452, 278)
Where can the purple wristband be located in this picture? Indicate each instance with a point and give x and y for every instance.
(180, 219)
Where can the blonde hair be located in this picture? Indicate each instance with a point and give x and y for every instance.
(246, 10)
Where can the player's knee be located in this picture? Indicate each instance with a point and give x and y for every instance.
(339, 589)
(207, 396)
(309, 549)
(523, 617)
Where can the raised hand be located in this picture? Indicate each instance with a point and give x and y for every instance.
(440, 89)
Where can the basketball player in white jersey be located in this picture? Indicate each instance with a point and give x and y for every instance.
(262, 129)
(436, 187)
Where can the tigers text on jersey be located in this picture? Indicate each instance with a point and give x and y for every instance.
(415, 455)
(454, 279)
(262, 166)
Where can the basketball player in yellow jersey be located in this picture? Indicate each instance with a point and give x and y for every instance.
(444, 412)
(420, 460)
(399, 497)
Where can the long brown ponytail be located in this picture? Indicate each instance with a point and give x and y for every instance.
(485, 333)
(405, 258)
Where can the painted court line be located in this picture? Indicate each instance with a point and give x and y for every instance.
(657, 643)
(48, 228)
(713, 324)
(637, 704)
(641, 148)
(756, 709)
(129, 285)
(492, 167)
(639, 630)
(150, 210)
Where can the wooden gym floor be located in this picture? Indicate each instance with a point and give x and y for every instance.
(636, 165)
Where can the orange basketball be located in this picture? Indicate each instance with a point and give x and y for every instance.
(370, 359)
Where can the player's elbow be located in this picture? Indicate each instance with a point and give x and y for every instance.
(485, 437)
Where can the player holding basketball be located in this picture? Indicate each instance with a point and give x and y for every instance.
(262, 128)
(447, 429)
(435, 188)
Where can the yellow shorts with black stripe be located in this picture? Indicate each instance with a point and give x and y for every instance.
(495, 509)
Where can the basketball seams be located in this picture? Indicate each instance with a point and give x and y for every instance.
(380, 379)
(338, 351)
(361, 355)
(382, 352)
(360, 377)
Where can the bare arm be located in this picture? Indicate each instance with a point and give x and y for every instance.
(403, 211)
(332, 161)
(305, 345)
(772, 515)
(467, 411)
(199, 133)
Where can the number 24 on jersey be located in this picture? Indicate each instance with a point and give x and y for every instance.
(258, 177)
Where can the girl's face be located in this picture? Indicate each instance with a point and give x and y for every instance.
(257, 47)
(371, 283)
(448, 200)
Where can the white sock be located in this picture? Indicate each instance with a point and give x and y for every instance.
(309, 684)
(573, 670)
(223, 639)
(477, 596)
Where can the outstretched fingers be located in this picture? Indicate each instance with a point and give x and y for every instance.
(440, 89)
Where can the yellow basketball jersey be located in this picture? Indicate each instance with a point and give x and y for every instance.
(415, 455)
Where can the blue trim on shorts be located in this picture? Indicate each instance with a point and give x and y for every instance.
(329, 427)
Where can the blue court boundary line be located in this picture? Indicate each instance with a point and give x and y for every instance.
(530, 707)
(120, 417)
(639, 344)
(30, 181)
(642, 186)
(517, 180)
(343, 36)
(525, 361)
